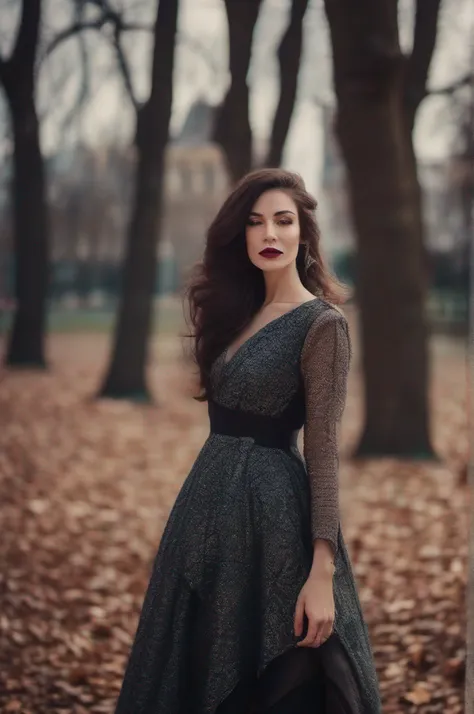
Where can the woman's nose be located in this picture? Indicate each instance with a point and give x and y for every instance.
(270, 230)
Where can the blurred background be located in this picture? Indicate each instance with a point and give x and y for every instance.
(123, 126)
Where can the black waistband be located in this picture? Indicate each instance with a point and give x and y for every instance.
(265, 430)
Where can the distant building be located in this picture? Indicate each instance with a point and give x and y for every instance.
(196, 184)
(90, 194)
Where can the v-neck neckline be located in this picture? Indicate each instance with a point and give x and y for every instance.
(228, 362)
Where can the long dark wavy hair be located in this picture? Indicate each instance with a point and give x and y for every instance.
(226, 289)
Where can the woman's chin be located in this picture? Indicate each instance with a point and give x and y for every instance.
(270, 264)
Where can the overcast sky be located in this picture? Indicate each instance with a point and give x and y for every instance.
(202, 73)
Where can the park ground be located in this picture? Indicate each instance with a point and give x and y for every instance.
(86, 487)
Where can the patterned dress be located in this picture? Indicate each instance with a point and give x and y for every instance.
(238, 544)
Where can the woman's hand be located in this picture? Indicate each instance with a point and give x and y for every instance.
(316, 599)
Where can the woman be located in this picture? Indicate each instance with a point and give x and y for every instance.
(252, 605)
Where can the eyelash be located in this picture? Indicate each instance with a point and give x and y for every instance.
(283, 222)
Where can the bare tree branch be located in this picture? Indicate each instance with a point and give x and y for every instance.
(289, 56)
(111, 17)
(124, 68)
(79, 27)
(418, 63)
(84, 90)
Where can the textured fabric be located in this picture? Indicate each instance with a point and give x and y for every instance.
(238, 544)
(296, 683)
(325, 361)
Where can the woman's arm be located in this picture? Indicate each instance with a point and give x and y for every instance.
(325, 361)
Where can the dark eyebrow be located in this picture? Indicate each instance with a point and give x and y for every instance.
(277, 213)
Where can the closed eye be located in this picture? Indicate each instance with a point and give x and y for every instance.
(282, 222)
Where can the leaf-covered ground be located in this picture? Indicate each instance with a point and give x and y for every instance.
(86, 487)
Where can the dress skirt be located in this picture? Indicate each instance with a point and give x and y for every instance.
(219, 609)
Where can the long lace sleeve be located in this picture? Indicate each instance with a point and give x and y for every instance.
(325, 361)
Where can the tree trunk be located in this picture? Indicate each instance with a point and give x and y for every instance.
(369, 72)
(126, 377)
(289, 56)
(26, 346)
(232, 128)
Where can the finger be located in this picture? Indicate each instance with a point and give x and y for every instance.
(310, 635)
(319, 634)
(299, 613)
(326, 635)
(323, 633)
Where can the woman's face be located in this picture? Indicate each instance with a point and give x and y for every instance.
(273, 223)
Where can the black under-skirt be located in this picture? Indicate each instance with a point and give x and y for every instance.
(296, 683)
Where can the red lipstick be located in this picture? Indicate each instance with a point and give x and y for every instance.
(270, 252)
